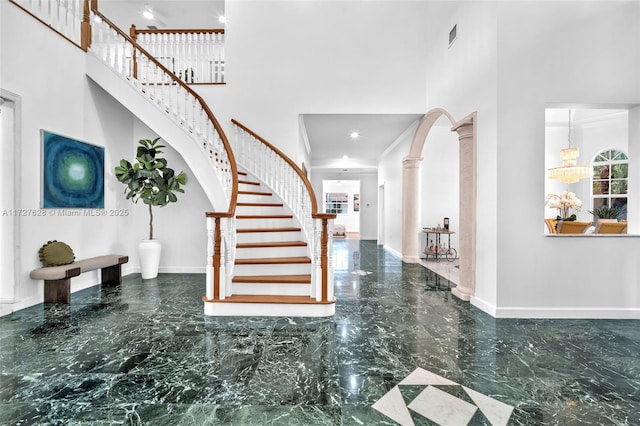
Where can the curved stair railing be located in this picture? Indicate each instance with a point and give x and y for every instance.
(288, 181)
(167, 92)
(185, 107)
(65, 17)
(80, 22)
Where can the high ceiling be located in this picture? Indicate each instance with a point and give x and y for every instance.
(328, 134)
(168, 14)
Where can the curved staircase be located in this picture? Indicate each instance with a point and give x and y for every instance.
(268, 247)
(272, 268)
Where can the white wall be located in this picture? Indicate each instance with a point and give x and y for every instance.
(368, 215)
(581, 53)
(284, 58)
(510, 61)
(390, 178)
(462, 79)
(57, 96)
(440, 182)
(350, 219)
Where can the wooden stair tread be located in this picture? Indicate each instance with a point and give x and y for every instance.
(287, 229)
(242, 173)
(273, 279)
(264, 298)
(260, 204)
(273, 260)
(255, 193)
(248, 182)
(265, 216)
(272, 244)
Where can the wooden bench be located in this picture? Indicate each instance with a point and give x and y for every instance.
(57, 279)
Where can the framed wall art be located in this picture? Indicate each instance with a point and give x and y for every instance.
(72, 173)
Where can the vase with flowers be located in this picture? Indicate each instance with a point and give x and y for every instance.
(564, 203)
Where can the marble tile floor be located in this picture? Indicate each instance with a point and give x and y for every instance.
(143, 353)
(450, 271)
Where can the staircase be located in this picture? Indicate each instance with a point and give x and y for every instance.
(269, 250)
(272, 268)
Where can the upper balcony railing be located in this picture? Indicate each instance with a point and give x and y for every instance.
(196, 56)
(62, 16)
(168, 93)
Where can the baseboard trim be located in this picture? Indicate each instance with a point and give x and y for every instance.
(569, 313)
(483, 305)
(169, 270)
(555, 313)
(393, 252)
(182, 269)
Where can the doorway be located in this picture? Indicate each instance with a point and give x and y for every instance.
(342, 197)
(7, 202)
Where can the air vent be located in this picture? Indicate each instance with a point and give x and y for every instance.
(152, 27)
(452, 34)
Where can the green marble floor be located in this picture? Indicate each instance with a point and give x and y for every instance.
(143, 353)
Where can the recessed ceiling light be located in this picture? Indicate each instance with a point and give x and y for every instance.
(355, 135)
(345, 157)
(222, 19)
(147, 14)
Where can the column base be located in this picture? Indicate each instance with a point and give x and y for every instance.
(461, 294)
(411, 259)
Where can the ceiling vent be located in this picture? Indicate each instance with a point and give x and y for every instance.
(452, 34)
(152, 27)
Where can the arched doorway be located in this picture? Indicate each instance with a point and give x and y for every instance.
(466, 129)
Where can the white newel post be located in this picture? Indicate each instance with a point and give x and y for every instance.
(330, 260)
(209, 269)
(224, 253)
(410, 214)
(316, 288)
(229, 247)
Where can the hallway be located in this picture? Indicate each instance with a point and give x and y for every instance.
(143, 353)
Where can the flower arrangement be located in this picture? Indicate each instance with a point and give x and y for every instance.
(564, 202)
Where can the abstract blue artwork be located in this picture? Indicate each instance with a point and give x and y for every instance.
(72, 173)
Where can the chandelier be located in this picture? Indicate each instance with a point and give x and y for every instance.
(570, 172)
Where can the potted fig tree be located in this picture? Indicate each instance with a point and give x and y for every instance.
(150, 180)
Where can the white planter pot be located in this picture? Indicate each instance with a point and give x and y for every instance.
(149, 254)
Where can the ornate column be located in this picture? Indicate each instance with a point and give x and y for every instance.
(411, 209)
(468, 190)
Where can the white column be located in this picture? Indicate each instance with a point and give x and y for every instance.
(468, 184)
(411, 209)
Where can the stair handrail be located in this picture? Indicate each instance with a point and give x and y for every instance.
(221, 235)
(226, 168)
(196, 54)
(300, 197)
(64, 18)
(220, 225)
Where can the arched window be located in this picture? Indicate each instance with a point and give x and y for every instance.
(610, 178)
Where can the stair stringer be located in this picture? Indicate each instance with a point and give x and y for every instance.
(157, 120)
